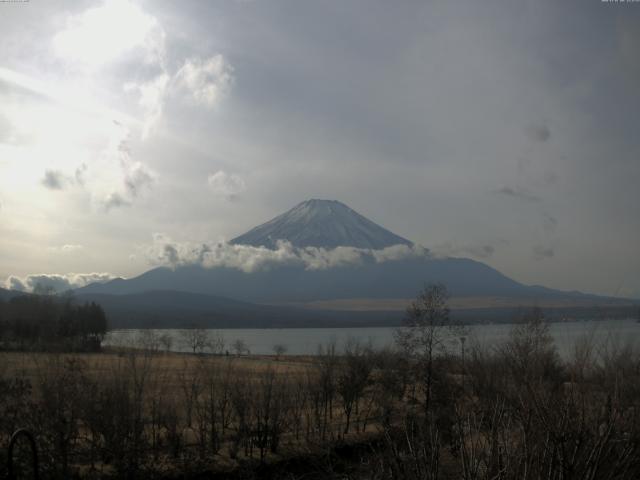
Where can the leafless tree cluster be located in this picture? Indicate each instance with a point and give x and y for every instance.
(142, 413)
(509, 411)
(516, 411)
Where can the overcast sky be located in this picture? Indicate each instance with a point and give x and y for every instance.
(498, 130)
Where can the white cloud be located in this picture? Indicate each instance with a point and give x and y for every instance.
(119, 33)
(68, 248)
(152, 99)
(136, 178)
(164, 251)
(114, 200)
(115, 178)
(400, 252)
(228, 185)
(58, 282)
(206, 79)
(115, 54)
(103, 34)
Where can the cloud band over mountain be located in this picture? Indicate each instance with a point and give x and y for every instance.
(163, 251)
(166, 252)
(57, 282)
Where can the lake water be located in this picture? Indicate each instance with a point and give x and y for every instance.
(303, 341)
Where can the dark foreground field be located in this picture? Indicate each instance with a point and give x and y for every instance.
(512, 412)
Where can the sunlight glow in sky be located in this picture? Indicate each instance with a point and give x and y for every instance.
(103, 34)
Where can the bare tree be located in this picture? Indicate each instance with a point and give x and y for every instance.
(166, 340)
(216, 343)
(148, 340)
(530, 352)
(190, 379)
(427, 325)
(240, 347)
(195, 339)
(279, 349)
(325, 386)
(353, 378)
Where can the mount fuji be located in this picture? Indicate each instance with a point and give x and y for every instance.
(321, 223)
(369, 290)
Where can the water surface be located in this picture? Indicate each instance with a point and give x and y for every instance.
(304, 341)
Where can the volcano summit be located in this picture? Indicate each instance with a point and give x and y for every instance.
(321, 223)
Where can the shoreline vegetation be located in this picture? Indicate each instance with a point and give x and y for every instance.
(514, 410)
(44, 321)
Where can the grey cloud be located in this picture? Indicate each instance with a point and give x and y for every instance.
(227, 185)
(517, 192)
(478, 251)
(628, 45)
(206, 79)
(171, 255)
(550, 223)
(137, 178)
(538, 132)
(115, 200)
(9, 134)
(57, 282)
(57, 180)
(482, 251)
(80, 174)
(550, 177)
(6, 129)
(15, 283)
(134, 178)
(541, 253)
(54, 180)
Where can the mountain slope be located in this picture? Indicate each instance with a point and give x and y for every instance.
(391, 279)
(6, 294)
(321, 223)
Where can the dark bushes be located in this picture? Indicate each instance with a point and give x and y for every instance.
(46, 322)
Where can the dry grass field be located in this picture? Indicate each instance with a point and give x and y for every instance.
(162, 413)
(31, 364)
(515, 411)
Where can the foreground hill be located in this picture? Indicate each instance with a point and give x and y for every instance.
(175, 309)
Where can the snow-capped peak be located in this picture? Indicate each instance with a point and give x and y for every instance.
(321, 223)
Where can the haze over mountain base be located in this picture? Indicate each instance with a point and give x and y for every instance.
(315, 265)
(320, 264)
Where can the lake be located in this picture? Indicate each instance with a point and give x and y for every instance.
(304, 341)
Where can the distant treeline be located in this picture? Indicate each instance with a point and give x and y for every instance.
(44, 322)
